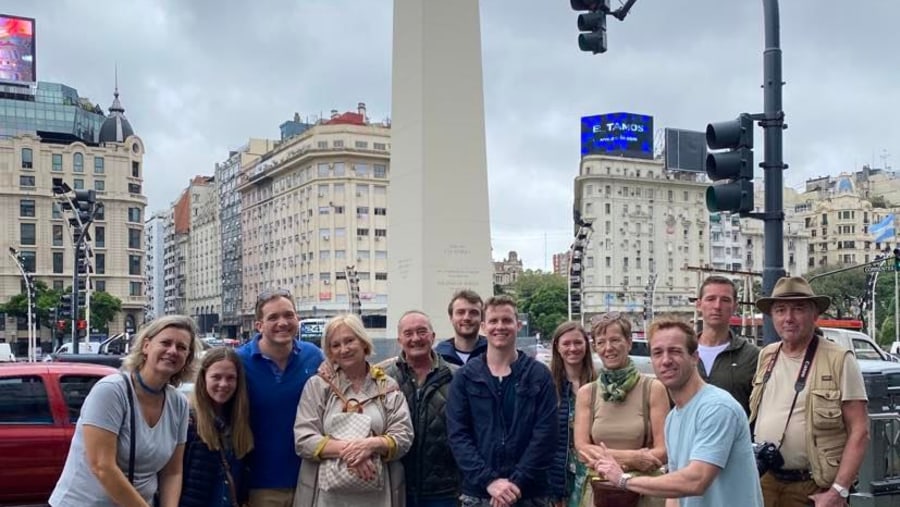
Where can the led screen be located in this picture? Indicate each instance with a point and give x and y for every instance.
(17, 49)
(624, 134)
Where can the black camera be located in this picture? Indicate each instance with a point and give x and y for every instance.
(768, 457)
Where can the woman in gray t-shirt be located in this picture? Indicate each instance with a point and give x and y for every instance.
(97, 468)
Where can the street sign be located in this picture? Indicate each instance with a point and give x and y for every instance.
(878, 269)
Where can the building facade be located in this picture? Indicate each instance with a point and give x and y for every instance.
(175, 255)
(226, 178)
(561, 264)
(49, 132)
(507, 271)
(154, 237)
(310, 208)
(204, 276)
(645, 220)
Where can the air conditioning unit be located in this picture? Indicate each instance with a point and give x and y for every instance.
(359, 194)
(325, 238)
(378, 238)
(326, 282)
(360, 238)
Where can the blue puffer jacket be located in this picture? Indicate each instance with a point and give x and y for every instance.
(203, 483)
(448, 352)
(484, 448)
(557, 473)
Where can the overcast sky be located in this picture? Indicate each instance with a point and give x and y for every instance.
(198, 77)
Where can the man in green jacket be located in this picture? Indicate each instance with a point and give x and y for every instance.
(432, 478)
(726, 361)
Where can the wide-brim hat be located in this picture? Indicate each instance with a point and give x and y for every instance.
(793, 288)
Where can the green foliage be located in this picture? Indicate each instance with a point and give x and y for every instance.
(45, 298)
(544, 297)
(847, 290)
(104, 307)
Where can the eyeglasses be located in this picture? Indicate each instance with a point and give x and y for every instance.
(606, 317)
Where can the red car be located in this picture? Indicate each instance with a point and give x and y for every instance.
(39, 406)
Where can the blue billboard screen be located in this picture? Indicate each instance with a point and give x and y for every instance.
(623, 134)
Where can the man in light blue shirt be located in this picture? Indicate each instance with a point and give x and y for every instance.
(711, 461)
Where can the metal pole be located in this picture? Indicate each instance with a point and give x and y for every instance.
(75, 295)
(896, 307)
(569, 284)
(87, 305)
(29, 295)
(773, 164)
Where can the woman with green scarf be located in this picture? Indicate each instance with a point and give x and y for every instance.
(622, 409)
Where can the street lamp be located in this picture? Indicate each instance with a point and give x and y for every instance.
(29, 291)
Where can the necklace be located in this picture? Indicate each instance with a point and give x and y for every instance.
(145, 387)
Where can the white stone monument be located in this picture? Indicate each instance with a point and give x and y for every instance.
(440, 238)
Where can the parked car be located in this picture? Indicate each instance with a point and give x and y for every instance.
(862, 346)
(39, 406)
(6, 353)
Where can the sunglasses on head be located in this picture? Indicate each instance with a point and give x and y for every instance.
(606, 317)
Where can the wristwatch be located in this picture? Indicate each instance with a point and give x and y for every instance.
(844, 492)
(623, 481)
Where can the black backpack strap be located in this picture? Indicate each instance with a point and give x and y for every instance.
(132, 424)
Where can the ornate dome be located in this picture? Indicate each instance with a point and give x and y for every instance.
(844, 185)
(116, 127)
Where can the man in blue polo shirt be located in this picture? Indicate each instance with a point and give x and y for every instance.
(277, 365)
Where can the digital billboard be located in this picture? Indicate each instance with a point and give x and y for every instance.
(624, 134)
(17, 59)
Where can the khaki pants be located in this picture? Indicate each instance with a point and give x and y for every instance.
(271, 497)
(786, 494)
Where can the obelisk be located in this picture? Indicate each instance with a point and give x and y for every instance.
(440, 238)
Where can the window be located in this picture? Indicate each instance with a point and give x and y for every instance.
(362, 255)
(57, 162)
(27, 158)
(322, 170)
(338, 143)
(26, 181)
(379, 146)
(381, 211)
(322, 145)
(324, 255)
(362, 210)
(26, 208)
(78, 183)
(99, 167)
(57, 235)
(135, 289)
(379, 171)
(134, 215)
(135, 169)
(75, 389)
(134, 188)
(362, 232)
(338, 210)
(57, 285)
(99, 236)
(381, 276)
(57, 262)
(100, 185)
(339, 169)
(29, 262)
(56, 212)
(134, 264)
(27, 233)
(100, 263)
(134, 239)
(362, 145)
(78, 163)
(24, 400)
(361, 169)
(99, 285)
(362, 190)
(380, 233)
(324, 210)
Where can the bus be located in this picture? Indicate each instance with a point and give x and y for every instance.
(312, 330)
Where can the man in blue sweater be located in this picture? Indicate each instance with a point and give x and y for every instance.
(277, 365)
(501, 419)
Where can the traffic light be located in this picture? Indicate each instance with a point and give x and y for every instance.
(734, 165)
(65, 307)
(81, 327)
(897, 259)
(592, 23)
(84, 205)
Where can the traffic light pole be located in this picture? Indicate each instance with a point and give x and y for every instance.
(773, 165)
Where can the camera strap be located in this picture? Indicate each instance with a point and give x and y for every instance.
(799, 384)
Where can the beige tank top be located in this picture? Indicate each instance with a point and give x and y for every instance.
(623, 425)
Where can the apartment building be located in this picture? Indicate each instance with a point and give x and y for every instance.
(311, 207)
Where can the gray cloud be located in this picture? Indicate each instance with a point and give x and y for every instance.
(199, 77)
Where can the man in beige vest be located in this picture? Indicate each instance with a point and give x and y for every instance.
(808, 403)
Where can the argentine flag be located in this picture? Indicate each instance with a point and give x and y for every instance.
(884, 230)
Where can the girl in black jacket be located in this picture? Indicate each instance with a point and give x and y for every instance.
(219, 436)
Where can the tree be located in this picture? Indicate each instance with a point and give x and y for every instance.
(45, 300)
(847, 292)
(104, 308)
(544, 297)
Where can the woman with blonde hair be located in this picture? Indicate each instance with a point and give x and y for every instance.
(219, 436)
(352, 428)
(129, 441)
(571, 367)
(623, 410)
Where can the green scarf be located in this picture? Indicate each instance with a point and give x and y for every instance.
(615, 384)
